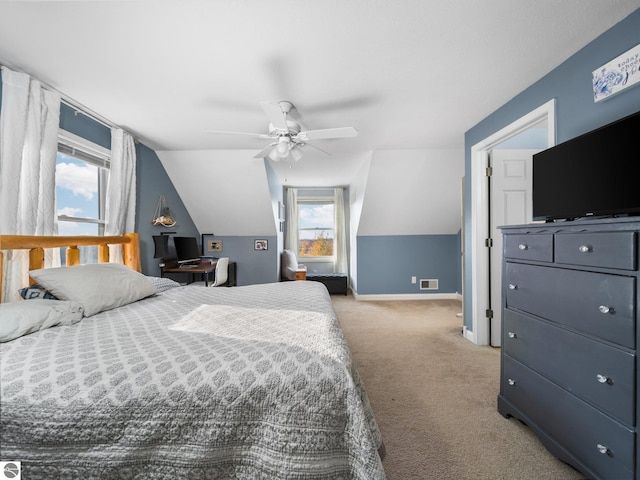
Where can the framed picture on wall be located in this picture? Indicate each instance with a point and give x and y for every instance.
(261, 245)
(215, 245)
(280, 211)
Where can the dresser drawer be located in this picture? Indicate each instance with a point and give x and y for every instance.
(601, 374)
(595, 303)
(529, 247)
(578, 427)
(606, 249)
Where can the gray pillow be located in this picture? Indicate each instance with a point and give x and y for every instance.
(162, 284)
(97, 287)
(20, 318)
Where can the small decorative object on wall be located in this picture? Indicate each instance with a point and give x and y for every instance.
(620, 73)
(215, 246)
(261, 245)
(162, 215)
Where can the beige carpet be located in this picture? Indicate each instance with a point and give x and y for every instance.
(434, 395)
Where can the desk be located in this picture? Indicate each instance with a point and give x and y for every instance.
(203, 268)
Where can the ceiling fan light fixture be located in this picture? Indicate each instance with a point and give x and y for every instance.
(273, 155)
(296, 153)
(283, 147)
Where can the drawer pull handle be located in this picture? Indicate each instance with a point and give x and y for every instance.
(603, 450)
(522, 246)
(513, 286)
(584, 248)
(605, 309)
(511, 382)
(512, 335)
(604, 379)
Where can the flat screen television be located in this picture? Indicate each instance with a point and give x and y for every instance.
(596, 174)
(187, 250)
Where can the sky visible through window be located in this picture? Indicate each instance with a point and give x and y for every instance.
(76, 195)
(315, 216)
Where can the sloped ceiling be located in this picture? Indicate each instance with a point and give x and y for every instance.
(225, 191)
(413, 192)
(408, 74)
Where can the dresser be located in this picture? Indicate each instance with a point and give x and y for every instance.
(569, 337)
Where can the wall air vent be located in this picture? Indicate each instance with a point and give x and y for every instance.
(429, 284)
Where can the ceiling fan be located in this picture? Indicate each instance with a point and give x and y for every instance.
(288, 137)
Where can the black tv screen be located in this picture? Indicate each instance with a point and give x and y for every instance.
(187, 249)
(595, 174)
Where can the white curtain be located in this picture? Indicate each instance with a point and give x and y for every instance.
(120, 211)
(341, 232)
(29, 122)
(291, 219)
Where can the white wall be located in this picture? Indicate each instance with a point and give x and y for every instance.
(225, 191)
(357, 191)
(412, 192)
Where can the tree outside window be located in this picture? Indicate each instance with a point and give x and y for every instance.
(316, 229)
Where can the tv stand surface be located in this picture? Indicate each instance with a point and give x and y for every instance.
(632, 216)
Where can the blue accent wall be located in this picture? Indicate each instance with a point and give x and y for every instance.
(576, 113)
(252, 266)
(531, 138)
(151, 182)
(75, 122)
(386, 263)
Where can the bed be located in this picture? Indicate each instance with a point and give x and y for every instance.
(252, 382)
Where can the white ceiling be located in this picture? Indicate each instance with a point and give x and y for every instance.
(408, 74)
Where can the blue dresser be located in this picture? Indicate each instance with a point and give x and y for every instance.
(569, 337)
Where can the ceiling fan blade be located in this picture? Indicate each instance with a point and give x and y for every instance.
(257, 135)
(264, 152)
(313, 146)
(341, 132)
(275, 115)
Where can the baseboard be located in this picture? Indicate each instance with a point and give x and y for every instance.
(468, 334)
(408, 296)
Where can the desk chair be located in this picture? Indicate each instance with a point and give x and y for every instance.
(222, 272)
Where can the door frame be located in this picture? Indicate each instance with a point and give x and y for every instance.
(479, 333)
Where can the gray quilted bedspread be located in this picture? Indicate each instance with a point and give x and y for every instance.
(250, 382)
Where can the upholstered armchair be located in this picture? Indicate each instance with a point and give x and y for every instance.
(291, 269)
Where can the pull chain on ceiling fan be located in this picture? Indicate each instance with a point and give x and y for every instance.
(286, 131)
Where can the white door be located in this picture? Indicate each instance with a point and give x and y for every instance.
(510, 187)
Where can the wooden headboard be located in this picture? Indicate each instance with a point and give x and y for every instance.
(36, 244)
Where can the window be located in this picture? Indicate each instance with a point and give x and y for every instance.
(82, 169)
(316, 228)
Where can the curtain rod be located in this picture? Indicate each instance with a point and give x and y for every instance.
(81, 109)
(77, 106)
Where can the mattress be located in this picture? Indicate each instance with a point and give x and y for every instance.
(251, 382)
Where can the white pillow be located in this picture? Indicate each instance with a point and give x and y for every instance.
(97, 287)
(21, 317)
